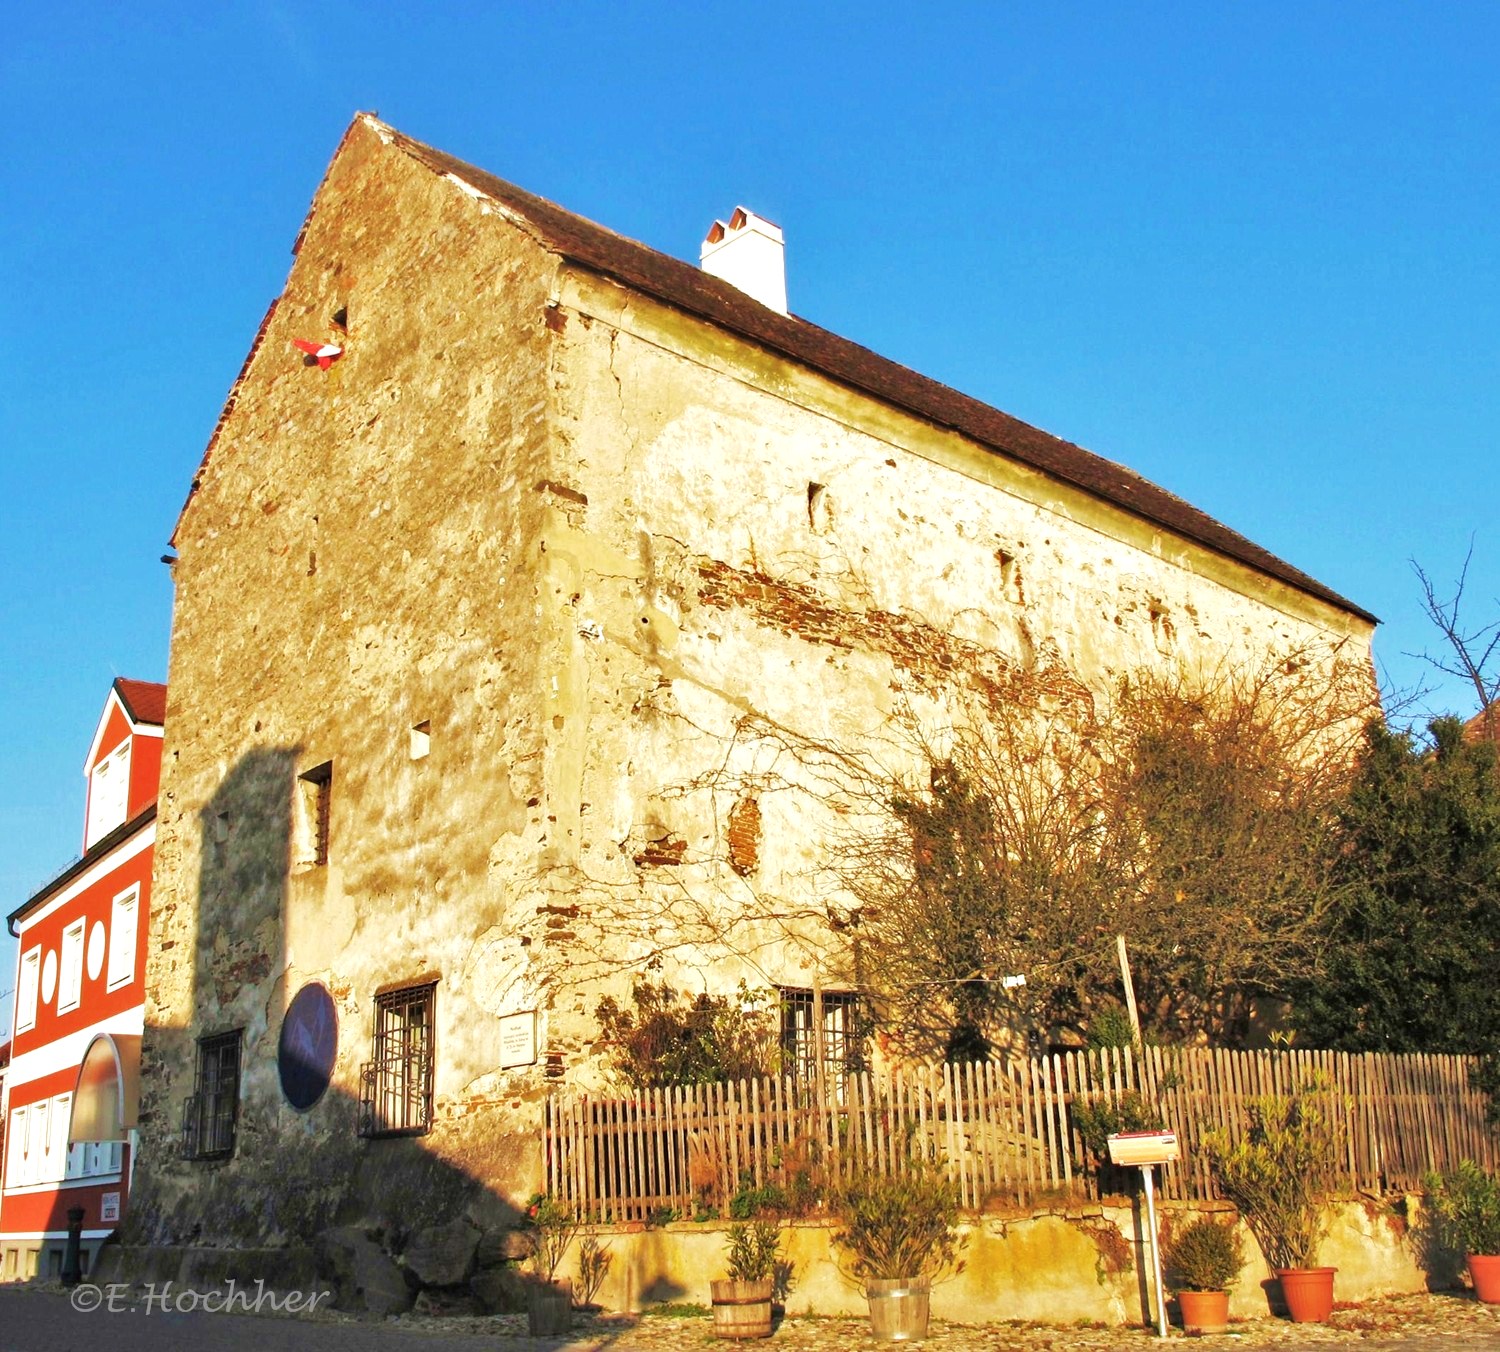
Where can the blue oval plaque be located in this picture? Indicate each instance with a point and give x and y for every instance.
(308, 1046)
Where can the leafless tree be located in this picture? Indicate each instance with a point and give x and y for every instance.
(1473, 653)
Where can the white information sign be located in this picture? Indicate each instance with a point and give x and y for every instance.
(518, 1040)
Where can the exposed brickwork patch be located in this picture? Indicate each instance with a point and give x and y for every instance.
(744, 836)
(798, 609)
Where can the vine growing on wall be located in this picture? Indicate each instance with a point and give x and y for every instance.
(967, 862)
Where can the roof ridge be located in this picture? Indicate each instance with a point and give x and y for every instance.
(686, 287)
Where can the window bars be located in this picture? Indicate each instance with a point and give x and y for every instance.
(208, 1114)
(803, 1037)
(395, 1088)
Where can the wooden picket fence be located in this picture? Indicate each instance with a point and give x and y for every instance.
(1003, 1130)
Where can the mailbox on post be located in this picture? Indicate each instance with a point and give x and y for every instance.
(1144, 1150)
(1143, 1147)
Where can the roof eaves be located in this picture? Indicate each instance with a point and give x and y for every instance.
(89, 858)
(693, 291)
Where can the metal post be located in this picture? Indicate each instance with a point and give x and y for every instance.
(72, 1268)
(1161, 1300)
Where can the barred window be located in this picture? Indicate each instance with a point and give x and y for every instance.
(208, 1115)
(316, 793)
(396, 1086)
(802, 1034)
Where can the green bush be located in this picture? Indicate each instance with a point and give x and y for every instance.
(665, 1039)
(769, 1199)
(752, 1251)
(1110, 1027)
(1281, 1173)
(1465, 1208)
(1096, 1122)
(553, 1226)
(1207, 1256)
(898, 1225)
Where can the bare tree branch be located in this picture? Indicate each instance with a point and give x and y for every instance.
(1472, 653)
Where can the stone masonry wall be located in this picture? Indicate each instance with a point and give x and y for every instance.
(358, 559)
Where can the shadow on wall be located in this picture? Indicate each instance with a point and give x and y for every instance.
(234, 1178)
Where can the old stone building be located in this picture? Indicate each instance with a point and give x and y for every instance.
(503, 603)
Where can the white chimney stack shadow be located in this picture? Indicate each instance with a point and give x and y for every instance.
(748, 253)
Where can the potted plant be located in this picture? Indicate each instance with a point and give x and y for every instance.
(899, 1230)
(742, 1301)
(1202, 1263)
(1279, 1176)
(1465, 1206)
(549, 1302)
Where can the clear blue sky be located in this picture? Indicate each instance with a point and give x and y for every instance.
(1250, 250)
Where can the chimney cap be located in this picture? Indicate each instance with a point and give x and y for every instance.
(743, 218)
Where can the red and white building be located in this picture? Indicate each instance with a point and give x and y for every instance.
(73, 1080)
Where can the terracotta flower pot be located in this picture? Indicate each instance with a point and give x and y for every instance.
(1204, 1311)
(1484, 1272)
(1308, 1293)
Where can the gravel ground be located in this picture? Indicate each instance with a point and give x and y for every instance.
(36, 1319)
(1414, 1323)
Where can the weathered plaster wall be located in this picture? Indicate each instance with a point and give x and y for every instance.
(358, 557)
(1047, 1267)
(755, 557)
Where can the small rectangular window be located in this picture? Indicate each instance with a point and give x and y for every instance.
(804, 1036)
(315, 792)
(124, 921)
(421, 739)
(27, 988)
(70, 968)
(209, 1114)
(38, 1124)
(396, 1087)
(54, 1165)
(109, 793)
(15, 1147)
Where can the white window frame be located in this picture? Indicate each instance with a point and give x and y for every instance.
(70, 967)
(28, 989)
(38, 1125)
(124, 938)
(54, 1166)
(15, 1147)
(109, 793)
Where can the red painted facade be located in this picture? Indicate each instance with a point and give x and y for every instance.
(80, 978)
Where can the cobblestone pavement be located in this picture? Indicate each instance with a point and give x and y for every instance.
(41, 1320)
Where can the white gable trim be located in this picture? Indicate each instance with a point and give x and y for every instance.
(137, 729)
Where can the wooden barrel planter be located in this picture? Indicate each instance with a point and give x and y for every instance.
(898, 1307)
(741, 1309)
(549, 1308)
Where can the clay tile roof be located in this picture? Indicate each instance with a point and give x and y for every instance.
(146, 701)
(689, 288)
(696, 292)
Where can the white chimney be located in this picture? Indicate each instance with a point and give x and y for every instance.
(748, 253)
